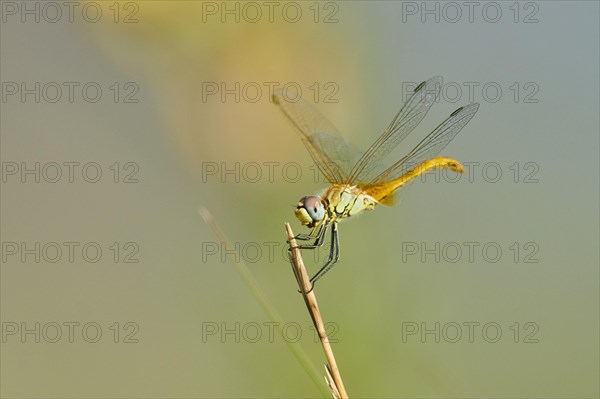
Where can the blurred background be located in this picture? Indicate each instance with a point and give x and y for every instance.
(120, 119)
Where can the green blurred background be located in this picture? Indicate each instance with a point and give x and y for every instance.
(194, 319)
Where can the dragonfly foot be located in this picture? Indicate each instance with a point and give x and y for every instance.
(312, 287)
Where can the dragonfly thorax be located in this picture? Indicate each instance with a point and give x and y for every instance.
(343, 201)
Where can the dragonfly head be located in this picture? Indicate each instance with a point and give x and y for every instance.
(310, 210)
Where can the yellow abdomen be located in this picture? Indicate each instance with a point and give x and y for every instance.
(383, 192)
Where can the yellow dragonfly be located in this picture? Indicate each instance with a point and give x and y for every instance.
(357, 183)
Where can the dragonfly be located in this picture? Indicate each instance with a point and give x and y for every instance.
(357, 181)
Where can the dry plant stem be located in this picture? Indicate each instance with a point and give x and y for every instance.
(313, 308)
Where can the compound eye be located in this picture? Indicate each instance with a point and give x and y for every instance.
(314, 207)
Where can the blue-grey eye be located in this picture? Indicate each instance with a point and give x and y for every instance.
(313, 206)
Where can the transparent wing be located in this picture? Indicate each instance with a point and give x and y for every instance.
(430, 146)
(409, 116)
(332, 154)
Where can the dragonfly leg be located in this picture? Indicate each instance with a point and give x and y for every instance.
(310, 236)
(318, 236)
(334, 255)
